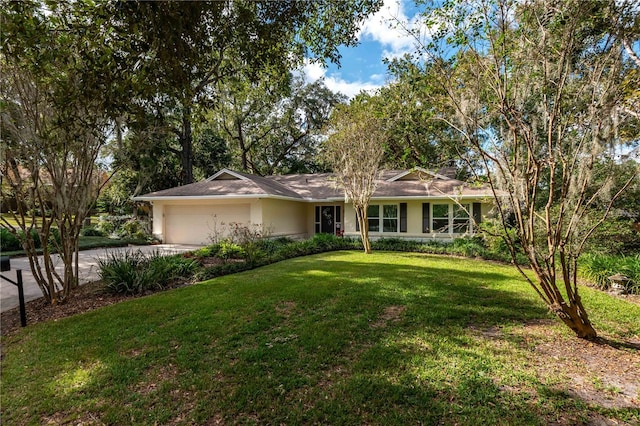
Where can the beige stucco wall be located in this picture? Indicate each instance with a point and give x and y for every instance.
(284, 217)
(280, 217)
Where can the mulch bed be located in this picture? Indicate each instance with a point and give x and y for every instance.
(85, 298)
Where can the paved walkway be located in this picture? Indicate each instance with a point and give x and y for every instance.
(87, 266)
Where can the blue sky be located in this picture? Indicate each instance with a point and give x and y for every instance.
(362, 67)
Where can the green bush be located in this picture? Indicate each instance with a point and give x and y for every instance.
(614, 236)
(91, 232)
(597, 268)
(229, 250)
(224, 269)
(126, 226)
(135, 273)
(8, 241)
(208, 251)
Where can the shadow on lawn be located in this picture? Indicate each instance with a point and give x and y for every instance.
(323, 339)
(424, 366)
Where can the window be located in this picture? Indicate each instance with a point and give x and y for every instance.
(383, 217)
(390, 218)
(450, 218)
(440, 216)
(461, 222)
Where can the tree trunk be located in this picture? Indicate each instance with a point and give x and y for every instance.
(575, 317)
(186, 142)
(363, 223)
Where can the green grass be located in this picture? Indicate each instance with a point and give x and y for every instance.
(335, 338)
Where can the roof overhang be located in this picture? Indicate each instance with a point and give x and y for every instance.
(215, 197)
(306, 200)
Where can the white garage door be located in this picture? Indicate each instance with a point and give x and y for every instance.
(195, 224)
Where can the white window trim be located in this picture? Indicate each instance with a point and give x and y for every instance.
(381, 218)
(466, 206)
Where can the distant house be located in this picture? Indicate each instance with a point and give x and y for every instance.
(414, 204)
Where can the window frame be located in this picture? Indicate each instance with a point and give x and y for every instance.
(440, 218)
(453, 217)
(379, 220)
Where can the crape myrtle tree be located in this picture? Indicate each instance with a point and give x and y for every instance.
(354, 151)
(72, 69)
(187, 50)
(539, 90)
(53, 123)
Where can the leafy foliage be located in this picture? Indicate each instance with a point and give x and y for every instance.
(272, 130)
(535, 89)
(597, 268)
(132, 272)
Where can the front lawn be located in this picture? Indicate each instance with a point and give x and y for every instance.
(335, 338)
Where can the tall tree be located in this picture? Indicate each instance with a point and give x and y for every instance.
(354, 150)
(536, 87)
(415, 134)
(185, 50)
(272, 131)
(54, 121)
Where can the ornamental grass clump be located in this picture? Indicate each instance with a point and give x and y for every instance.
(597, 268)
(132, 272)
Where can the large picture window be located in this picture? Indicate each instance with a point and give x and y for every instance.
(451, 218)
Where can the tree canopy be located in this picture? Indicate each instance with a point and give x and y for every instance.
(539, 90)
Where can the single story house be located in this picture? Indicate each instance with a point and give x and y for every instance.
(414, 204)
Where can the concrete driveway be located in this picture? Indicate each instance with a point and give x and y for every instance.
(87, 270)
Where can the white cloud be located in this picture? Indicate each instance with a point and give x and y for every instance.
(314, 71)
(391, 27)
(388, 28)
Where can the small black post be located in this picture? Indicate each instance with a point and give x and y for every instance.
(23, 310)
(5, 265)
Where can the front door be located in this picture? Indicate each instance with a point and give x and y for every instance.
(327, 220)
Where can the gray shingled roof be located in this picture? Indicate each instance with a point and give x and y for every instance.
(318, 186)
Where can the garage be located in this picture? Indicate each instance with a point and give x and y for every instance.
(195, 224)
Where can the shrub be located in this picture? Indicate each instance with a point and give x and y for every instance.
(395, 244)
(468, 247)
(271, 246)
(120, 272)
(208, 251)
(228, 250)
(91, 232)
(126, 226)
(8, 241)
(135, 273)
(224, 269)
(597, 268)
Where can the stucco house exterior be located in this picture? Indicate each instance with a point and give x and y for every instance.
(416, 204)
